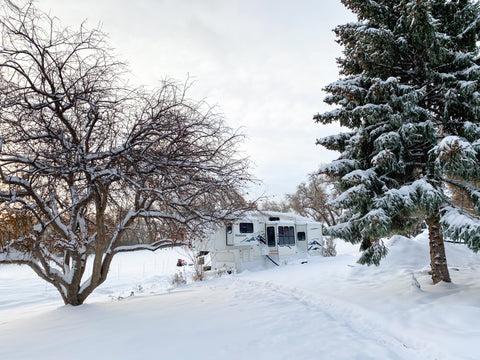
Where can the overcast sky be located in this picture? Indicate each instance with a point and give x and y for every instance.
(263, 62)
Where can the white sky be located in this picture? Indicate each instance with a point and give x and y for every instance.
(263, 62)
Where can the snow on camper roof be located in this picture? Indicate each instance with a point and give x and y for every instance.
(274, 216)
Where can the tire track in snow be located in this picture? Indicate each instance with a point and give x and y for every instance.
(362, 323)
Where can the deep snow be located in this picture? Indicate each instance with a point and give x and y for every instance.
(330, 308)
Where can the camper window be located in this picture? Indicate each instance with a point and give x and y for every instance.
(286, 235)
(281, 236)
(301, 236)
(291, 236)
(246, 228)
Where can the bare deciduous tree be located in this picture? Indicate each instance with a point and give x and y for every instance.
(311, 200)
(85, 157)
(277, 206)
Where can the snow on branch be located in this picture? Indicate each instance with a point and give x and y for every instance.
(390, 140)
(352, 198)
(356, 177)
(456, 156)
(15, 257)
(471, 132)
(150, 247)
(419, 194)
(372, 113)
(374, 253)
(472, 27)
(376, 223)
(459, 226)
(344, 230)
(336, 142)
(339, 167)
(388, 161)
(335, 115)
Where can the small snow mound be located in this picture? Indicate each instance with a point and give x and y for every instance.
(446, 286)
(396, 238)
(407, 254)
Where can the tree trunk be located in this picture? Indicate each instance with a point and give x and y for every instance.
(74, 299)
(438, 259)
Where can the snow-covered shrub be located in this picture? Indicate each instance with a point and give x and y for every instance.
(179, 278)
(329, 247)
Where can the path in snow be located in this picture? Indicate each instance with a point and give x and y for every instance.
(230, 318)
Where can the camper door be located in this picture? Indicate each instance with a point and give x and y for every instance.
(286, 240)
(271, 238)
(280, 239)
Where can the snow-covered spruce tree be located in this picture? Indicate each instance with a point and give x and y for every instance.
(409, 94)
(83, 158)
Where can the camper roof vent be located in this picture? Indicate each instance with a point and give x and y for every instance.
(274, 218)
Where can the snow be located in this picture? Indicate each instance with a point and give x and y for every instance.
(457, 145)
(359, 176)
(383, 157)
(420, 192)
(338, 166)
(350, 196)
(391, 139)
(461, 227)
(329, 308)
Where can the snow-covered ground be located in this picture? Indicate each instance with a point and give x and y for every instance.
(329, 308)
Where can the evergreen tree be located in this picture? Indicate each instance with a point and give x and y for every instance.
(410, 95)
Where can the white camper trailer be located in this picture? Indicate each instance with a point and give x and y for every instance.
(264, 237)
